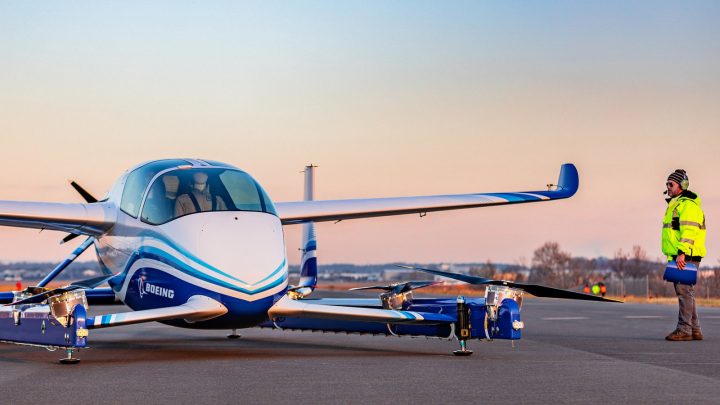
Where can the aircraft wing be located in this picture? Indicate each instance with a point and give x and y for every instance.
(334, 210)
(197, 308)
(291, 308)
(78, 218)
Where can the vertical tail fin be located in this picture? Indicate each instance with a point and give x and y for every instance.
(308, 266)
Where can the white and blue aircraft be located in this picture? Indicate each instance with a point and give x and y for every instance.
(199, 244)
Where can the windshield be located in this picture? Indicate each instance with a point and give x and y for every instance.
(187, 191)
(138, 180)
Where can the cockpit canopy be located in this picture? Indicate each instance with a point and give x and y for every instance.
(180, 189)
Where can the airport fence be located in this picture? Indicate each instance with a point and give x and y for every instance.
(654, 286)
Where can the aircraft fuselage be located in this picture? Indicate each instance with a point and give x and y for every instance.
(234, 256)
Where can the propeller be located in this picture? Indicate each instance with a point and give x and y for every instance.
(84, 284)
(534, 289)
(69, 237)
(399, 288)
(84, 193)
(89, 198)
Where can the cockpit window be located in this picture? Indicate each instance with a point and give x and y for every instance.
(186, 191)
(138, 180)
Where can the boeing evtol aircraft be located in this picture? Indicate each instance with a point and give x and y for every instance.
(199, 244)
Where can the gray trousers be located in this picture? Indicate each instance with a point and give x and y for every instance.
(687, 316)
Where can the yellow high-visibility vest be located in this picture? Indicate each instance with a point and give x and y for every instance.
(684, 226)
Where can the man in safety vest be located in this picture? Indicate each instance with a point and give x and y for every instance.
(683, 240)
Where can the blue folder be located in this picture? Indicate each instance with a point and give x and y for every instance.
(686, 276)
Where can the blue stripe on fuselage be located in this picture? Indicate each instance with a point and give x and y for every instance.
(240, 313)
(188, 255)
(147, 252)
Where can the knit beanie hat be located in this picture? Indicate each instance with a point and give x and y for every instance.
(680, 177)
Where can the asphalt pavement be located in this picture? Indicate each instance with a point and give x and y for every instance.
(578, 352)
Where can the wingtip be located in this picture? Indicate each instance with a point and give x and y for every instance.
(569, 179)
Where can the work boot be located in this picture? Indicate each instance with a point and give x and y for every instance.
(677, 336)
(697, 335)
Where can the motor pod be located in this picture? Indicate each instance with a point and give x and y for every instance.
(392, 300)
(36, 324)
(508, 324)
(62, 306)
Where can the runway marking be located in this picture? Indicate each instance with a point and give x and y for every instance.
(564, 318)
(643, 317)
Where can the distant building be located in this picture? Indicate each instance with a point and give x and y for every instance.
(397, 275)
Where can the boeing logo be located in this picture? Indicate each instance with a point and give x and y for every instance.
(147, 288)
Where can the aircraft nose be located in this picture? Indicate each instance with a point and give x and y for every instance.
(244, 249)
(246, 245)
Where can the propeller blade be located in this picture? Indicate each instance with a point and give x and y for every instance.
(534, 289)
(83, 284)
(399, 288)
(462, 277)
(91, 283)
(551, 292)
(69, 237)
(87, 196)
(372, 287)
(36, 299)
(414, 285)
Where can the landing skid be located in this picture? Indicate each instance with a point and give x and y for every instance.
(463, 349)
(69, 359)
(234, 335)
(463, 352)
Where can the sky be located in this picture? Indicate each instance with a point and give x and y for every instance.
(396, 98)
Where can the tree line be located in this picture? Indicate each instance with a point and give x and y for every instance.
(631, 272)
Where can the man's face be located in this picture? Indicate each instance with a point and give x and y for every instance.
(673, 189)
(199, 181)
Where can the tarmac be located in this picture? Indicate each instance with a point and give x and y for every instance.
(571, 351)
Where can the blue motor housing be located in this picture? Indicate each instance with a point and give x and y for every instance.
(508, 324)
(42, 329)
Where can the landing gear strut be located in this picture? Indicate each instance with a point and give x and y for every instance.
(69, 359)
(463, 349)
(233, 335)
(463, 327)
